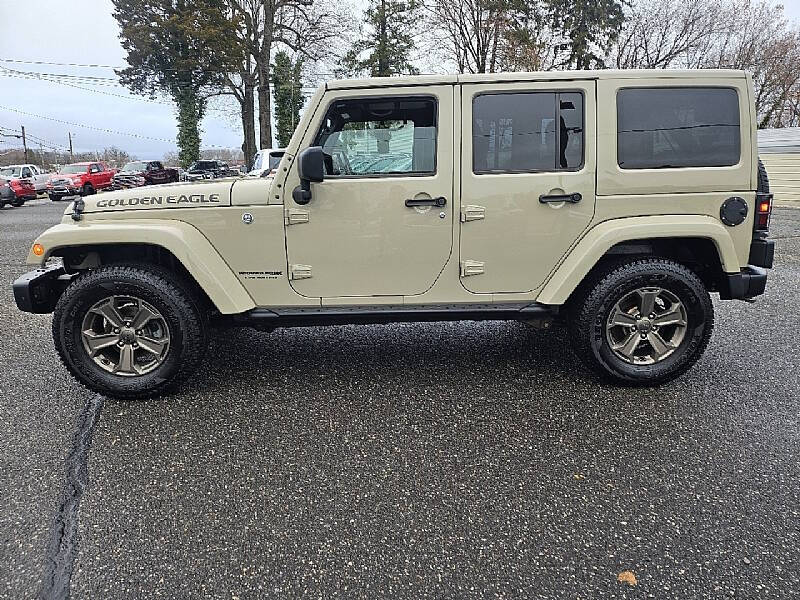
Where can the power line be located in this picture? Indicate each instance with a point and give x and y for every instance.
(101, 129)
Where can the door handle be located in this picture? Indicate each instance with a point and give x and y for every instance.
(573, 198)
(440, 201)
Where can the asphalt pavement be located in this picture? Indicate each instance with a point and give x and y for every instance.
(453, 460)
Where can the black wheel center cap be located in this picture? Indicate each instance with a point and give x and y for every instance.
(644, 325)
(127, 335)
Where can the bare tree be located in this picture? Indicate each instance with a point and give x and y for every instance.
(659, 34)
(472, 31)
(719, 34)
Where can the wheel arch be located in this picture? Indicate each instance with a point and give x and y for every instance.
(173, 245)
(700, 242)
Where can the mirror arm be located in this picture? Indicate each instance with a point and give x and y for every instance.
(302, 193)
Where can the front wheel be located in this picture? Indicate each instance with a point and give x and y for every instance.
(87, 190)
(642, 322)
(129, 331)
(18, 203)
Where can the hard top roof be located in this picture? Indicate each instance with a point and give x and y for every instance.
(452, 79)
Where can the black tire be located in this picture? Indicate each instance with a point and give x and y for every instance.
(87, 189)
(763, 180)
(54, 197)
(18, 203)
(591, 306)
(179, 307)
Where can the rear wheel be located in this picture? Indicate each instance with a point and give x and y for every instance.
(642, 322)
(18, 202)
(54, 197)
(129, 331)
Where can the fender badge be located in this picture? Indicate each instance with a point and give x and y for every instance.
(247, 218)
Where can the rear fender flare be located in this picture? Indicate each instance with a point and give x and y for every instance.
(598, 240)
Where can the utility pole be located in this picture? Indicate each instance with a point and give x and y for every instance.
(70, 146)
(24, 143)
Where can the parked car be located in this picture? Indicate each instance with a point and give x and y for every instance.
(265, 162)
(616, 202)
(37, 175)
(15, 191)
(82, 179)
(143, 172)
(208, 169)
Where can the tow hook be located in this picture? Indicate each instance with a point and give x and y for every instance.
(77, 209)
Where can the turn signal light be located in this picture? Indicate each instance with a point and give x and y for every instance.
(763, 210)
(38, 249)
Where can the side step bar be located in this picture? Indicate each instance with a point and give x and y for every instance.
(344, 315)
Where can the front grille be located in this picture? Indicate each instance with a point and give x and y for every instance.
(128, 181)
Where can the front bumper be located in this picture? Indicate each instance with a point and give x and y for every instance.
(748, 283)
(64, 190)
(38, 291)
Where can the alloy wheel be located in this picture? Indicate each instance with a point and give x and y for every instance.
(646, 325)
(125, 335)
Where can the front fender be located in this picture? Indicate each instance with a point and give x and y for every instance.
(602, 237)
(184, 241)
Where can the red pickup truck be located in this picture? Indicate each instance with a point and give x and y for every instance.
(80, 179)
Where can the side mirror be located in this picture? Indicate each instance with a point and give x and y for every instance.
(311, 168)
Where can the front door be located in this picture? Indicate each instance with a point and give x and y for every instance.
(528, 180)
(380, 224)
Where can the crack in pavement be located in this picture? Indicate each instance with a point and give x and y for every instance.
(61, 550)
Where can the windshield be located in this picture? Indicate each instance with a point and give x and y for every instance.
(11, 171)
(203, 165)
(135, 166)
(74, 169)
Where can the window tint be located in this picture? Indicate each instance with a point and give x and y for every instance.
(659, 128)
(379, 136)
(26, 172)
(531, 131)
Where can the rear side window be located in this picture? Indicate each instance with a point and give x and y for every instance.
(662, 128)
(527, 132)
(379, 136)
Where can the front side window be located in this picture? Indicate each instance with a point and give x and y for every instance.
(527, 132)
(662, 128)
(379, 136)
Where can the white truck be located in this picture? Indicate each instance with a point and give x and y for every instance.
(38, 176)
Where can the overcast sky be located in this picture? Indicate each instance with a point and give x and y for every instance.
(83, 31)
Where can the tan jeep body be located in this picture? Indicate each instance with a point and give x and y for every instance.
(357, 243)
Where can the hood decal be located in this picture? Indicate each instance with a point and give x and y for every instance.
(158, 200)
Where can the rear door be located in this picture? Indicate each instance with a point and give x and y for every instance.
(528, 180)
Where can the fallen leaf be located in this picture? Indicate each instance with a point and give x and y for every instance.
(627, 577)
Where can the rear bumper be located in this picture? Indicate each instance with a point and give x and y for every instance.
(748, 283)
(762, 253)
(38, 291)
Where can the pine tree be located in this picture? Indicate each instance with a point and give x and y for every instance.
(385, 46)
(288, 95)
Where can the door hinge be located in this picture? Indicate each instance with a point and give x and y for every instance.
(295, 216)
(471, 212)
(472, 267)
(299, 271)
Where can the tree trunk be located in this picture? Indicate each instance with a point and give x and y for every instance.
(249, 123)
(190, 110)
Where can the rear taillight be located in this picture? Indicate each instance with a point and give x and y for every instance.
(763, 212)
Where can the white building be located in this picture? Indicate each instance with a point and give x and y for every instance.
(780, 151)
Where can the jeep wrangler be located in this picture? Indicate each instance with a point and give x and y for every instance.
(612, 201)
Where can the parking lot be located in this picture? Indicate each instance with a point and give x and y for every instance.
(410, 460)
